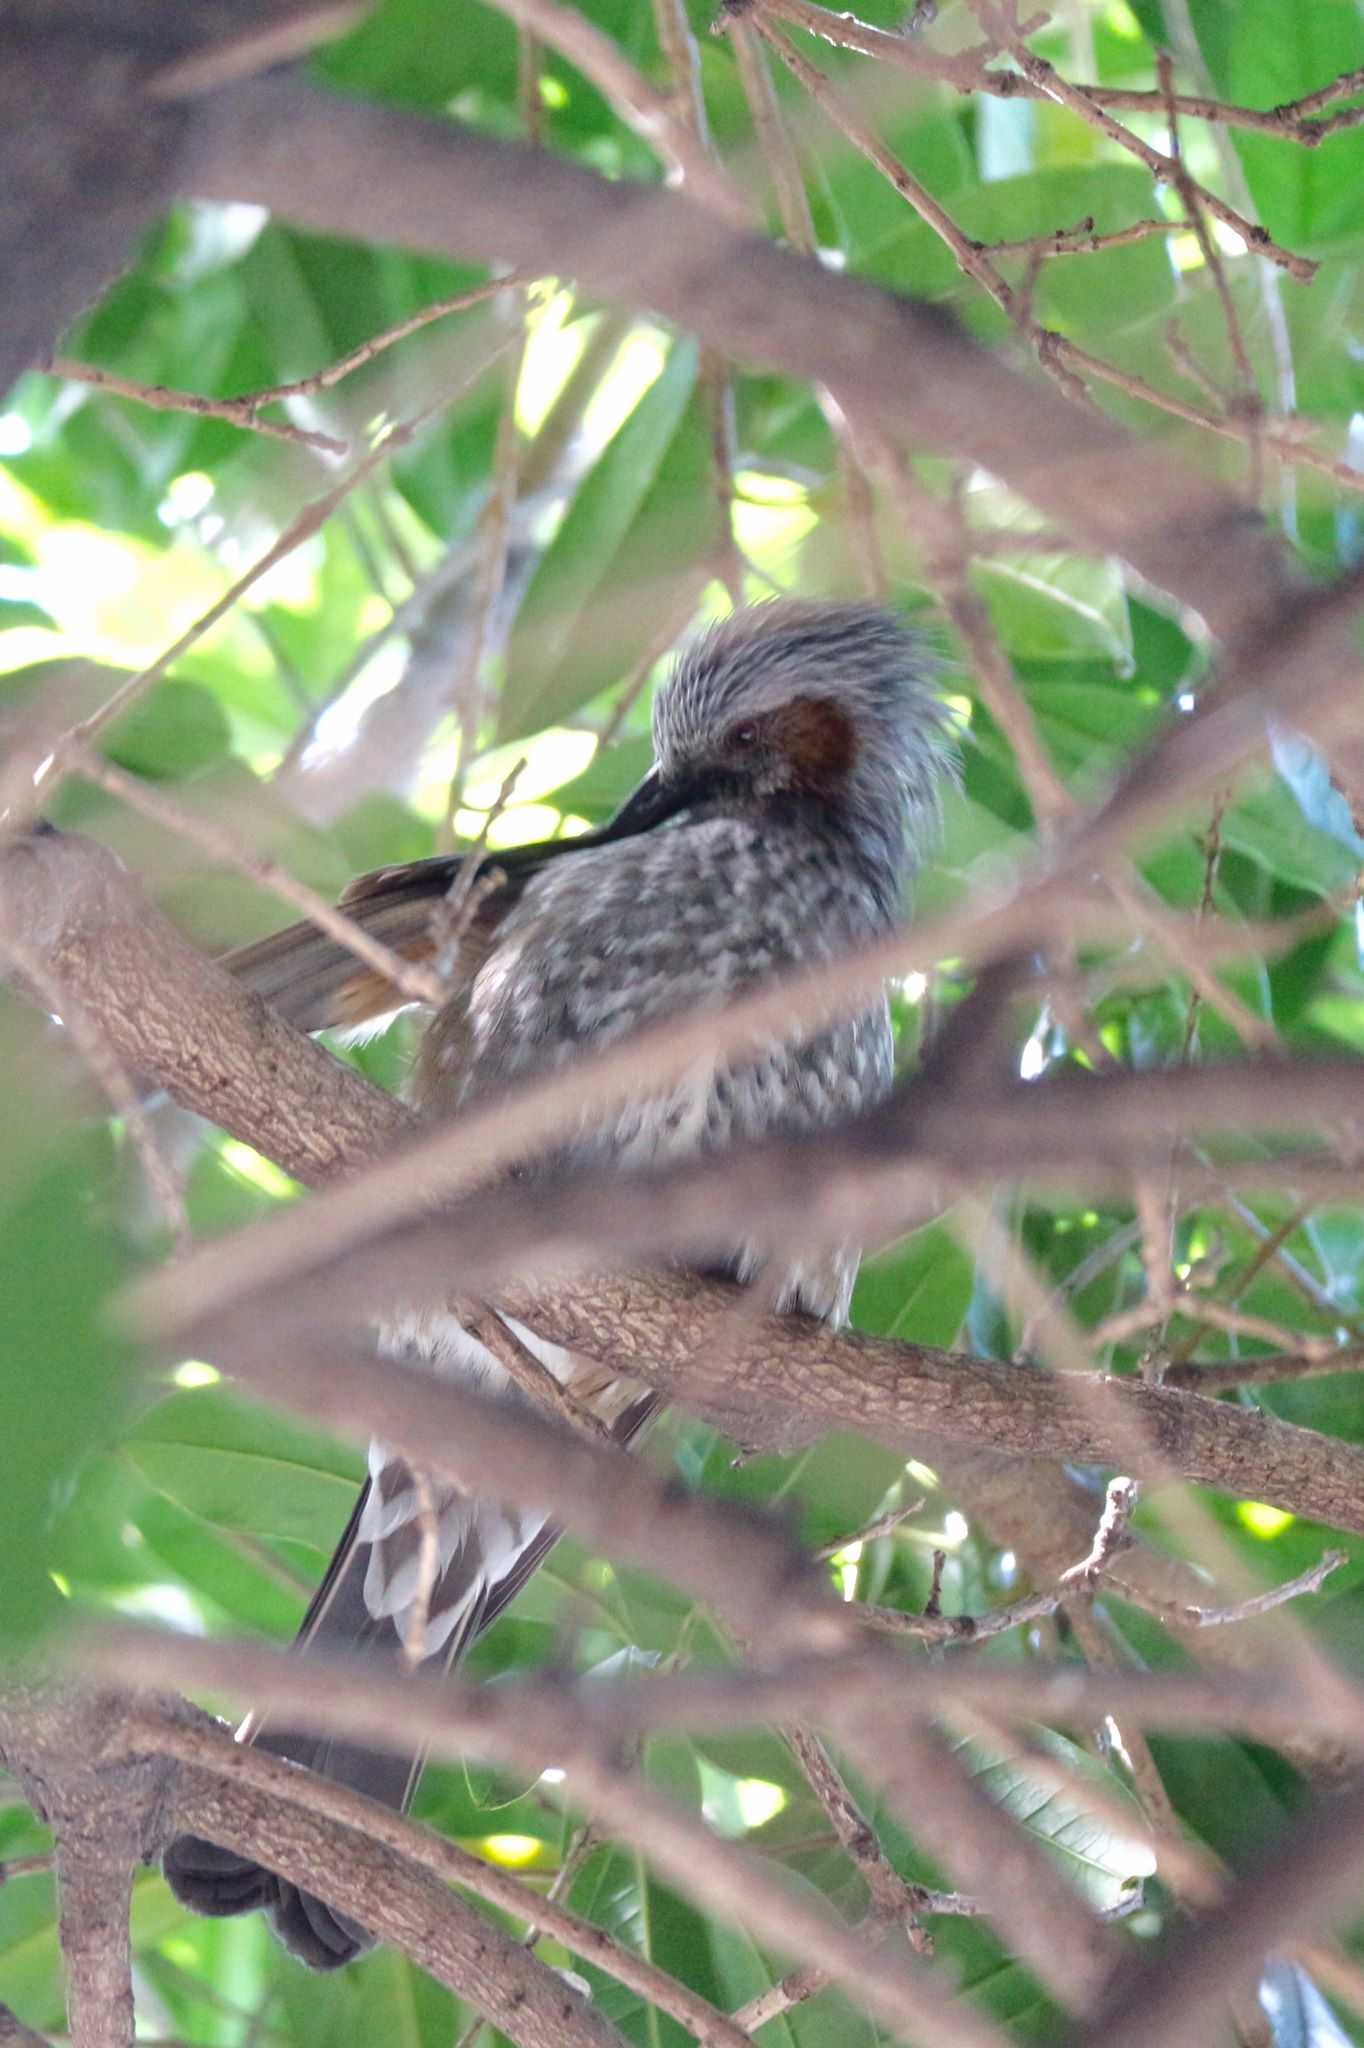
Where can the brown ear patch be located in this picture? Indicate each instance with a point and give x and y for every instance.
(816, 736)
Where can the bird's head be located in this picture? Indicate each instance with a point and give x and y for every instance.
(826, 704)
(821, 706)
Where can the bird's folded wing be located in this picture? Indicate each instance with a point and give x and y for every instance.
(317, 983)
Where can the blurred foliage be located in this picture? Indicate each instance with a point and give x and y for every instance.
(119, 524)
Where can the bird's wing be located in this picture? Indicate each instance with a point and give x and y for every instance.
(316, 982)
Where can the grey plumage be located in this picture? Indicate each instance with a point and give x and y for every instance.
(800, 758)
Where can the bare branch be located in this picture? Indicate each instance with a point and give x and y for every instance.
(348, 1696)
(258, 48)
(1170, 1999)
(649, 112)
(721, 1876)
(1309, 1581)
(197, 1743)
(238, 412)
(279, 144)
(408, 977)
(171, 1014)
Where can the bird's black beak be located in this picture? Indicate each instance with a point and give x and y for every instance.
(650, 805)
(654, 801)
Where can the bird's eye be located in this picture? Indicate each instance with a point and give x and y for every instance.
(744, 734)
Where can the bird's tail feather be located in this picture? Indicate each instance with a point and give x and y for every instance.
(221, 1882)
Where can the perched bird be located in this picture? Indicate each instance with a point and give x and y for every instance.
(800, 759)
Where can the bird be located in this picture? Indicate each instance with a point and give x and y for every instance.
(801, 754)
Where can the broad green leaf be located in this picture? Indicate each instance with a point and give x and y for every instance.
(61, 1364)
(403, 52)
(380, 831)
(175, 732)
(1268, 824)
(1262, 55)
(1105, 1863)
(919, 1291)
(632, 539)
(606, 781)
(245, 1469)
(1058, 608)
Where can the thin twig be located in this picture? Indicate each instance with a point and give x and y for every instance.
(774, 140)
(1084, 239)
(410, 978)
(684, 67)
(1221, 1378)
(237, 412)
(882, 1525)
(305, 523)
(1147, 1315)
(1181, 1615)
(1012, 38)
(453, 918)
(1079, 1580)
(650, 113)
(258, 48)
(428, 1567)
(529, 1373)
(468, 693)
(1248, 403)
(245, 410)
(793, 1989)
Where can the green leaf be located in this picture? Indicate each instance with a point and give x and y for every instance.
(1106, 1864)
(176, 731)
(1263, 54)
(1269, 825)
(919, 1291)
(633, 539)
(609, 777)
(60, 1364)
(247, 1469)
(1058, 608)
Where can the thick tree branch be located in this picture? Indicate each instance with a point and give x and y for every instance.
(615, 1502)
(352, 1869)
(721, 1876)
(101, 1803)
(205, 1745)
(176, 1018)
(87, 1765)
(521, 1725)
(554, 1714)
(738, 1566)
(771, 1380)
